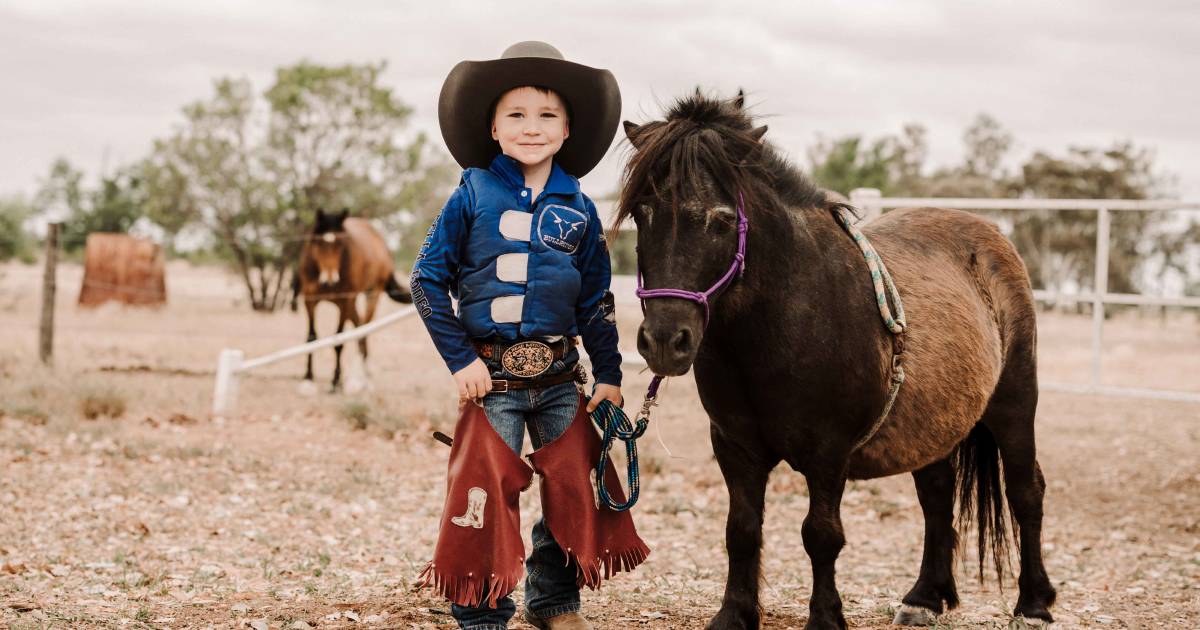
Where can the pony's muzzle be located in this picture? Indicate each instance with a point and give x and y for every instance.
(668, 349)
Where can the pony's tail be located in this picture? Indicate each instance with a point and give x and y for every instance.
(397, 292)
(980, 491)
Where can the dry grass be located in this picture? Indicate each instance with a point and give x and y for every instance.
(323, 508)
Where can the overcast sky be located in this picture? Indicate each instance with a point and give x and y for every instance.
(95, 81)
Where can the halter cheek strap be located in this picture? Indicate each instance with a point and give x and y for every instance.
(737, 268)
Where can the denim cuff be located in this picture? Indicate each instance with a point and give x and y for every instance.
(555, 611)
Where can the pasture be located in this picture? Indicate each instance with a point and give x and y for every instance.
(123, 504)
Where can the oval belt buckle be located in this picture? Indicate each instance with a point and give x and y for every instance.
(527, 359)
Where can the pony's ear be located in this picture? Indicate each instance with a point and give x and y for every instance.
(739, 102)
(758, 134)
(320, 213)
(346, 211)
(631, 132)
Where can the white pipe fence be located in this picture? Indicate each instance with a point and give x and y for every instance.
(873, 204)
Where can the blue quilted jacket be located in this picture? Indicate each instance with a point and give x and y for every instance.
(520, 268)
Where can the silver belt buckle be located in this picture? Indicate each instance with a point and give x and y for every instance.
(527, 359)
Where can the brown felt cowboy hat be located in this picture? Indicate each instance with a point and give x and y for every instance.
(472, 87)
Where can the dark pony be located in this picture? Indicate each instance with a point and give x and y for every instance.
(795, 364)
(342, 257)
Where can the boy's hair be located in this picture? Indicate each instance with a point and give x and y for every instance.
(540, 88)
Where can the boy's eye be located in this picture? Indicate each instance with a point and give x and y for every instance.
(515, 115)
(549, 115)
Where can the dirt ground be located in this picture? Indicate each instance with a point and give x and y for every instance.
(319, 510)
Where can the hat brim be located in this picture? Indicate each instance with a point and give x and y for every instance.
(472, 87)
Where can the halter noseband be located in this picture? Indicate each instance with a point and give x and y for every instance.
(736, 269)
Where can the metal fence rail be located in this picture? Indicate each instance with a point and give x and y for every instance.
(873, 204)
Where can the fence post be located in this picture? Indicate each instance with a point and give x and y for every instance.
(225, 391)
(46, 330)
(1100, 292)
(867, 200)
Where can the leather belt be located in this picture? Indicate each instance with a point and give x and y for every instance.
(493, 350)
(499, 386)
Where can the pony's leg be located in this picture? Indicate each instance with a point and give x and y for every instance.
(935, 584)
(746, 478)
(337, 350)
(823, 540)
(310, 306)
(1010, 418)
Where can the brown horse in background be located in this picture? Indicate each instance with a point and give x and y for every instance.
(341, 258)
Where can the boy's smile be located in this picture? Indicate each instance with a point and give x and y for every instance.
(530, 126)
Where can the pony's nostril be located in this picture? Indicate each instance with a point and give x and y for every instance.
(681, 343)
(643, 340)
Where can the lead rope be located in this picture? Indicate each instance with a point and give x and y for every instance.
(614, 425)
(882, 281)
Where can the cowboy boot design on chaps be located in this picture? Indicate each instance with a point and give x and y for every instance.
(473, 517)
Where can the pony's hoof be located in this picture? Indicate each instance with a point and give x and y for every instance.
(307, 388)
(914, 616)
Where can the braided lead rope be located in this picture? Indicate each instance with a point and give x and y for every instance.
(882, 280)
(879, 276)
(614, 424)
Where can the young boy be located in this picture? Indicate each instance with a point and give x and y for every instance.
(523, 251)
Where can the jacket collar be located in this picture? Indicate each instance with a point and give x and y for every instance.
(509, 170)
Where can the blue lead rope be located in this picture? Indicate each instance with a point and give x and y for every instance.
(614, 424)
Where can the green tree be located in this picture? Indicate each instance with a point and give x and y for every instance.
(114, 206)
(254, 175)
(1059, 247)
(15, 240)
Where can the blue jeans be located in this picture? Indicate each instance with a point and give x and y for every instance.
(550, 588)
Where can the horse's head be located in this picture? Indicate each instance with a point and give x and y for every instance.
(327, 246)
(682, 188)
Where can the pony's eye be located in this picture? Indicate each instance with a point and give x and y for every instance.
(720, 217)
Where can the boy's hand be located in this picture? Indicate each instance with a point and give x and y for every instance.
(473, 381)
(604, 391)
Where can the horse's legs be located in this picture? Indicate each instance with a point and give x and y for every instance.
(746, 478)
(343, 310)
(1010, 418)
(310, 306)
(935, 584)
(372, 302)
(823, 540)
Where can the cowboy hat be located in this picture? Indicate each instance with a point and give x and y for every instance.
(472, 87)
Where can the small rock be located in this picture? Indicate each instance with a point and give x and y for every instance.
(351, 615)
(300, 624)
(260, 624)
(24, 606)
(374, 619)
(240, 609)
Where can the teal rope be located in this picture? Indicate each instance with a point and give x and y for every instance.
(882, 281)
(614, 424)
(879, 276)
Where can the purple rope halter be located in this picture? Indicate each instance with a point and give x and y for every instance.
(737, 268)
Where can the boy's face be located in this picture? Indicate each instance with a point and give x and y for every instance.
(530, 125)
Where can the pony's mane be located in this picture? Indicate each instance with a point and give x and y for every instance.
(712, 136)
